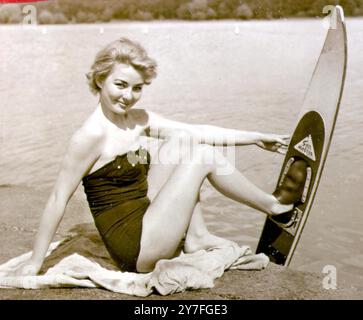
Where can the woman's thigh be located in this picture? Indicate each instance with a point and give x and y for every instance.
(165, 161)
(168, 216)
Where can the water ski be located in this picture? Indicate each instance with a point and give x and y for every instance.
(309, 145)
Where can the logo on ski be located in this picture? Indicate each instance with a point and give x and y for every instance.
(306, 147)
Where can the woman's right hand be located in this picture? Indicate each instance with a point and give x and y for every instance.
(27, 268)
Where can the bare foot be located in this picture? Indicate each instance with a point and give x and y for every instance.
(205, 242)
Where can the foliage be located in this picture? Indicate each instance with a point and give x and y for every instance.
(88, 11)
(10, 14)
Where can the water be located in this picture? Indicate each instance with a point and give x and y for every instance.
(244, 75)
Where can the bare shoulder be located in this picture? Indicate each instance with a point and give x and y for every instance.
(87, 140)
(150, 125)
(162, 127)
(140, 116)
(83, 150)
(155, 120)
(152, 116)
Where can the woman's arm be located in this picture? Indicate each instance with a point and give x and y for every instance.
(161, 127)
(83, 151)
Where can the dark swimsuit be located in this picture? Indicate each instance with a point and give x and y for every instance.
(117, 197)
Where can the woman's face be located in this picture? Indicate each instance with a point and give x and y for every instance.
(121, 89)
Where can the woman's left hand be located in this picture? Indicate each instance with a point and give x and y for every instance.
(274, 142)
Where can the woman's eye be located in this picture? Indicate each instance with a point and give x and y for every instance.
(121, 85)
(137, 89)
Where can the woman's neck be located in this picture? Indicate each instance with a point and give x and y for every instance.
(119, 120)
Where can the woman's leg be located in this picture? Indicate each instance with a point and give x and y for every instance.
(197, 236)
(160, 172)
(169, 214)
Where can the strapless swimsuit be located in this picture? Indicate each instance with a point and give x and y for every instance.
(117, 197)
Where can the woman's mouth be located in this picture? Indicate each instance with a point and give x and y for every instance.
(123, 105)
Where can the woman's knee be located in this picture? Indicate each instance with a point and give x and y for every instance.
(175, 148)
(210, 155)
(180, 135)
(182, 148)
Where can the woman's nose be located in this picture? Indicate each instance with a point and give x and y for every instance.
(127, 95)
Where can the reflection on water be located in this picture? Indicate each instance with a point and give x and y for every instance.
(254, 79)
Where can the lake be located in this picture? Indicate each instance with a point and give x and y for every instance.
(247, 75)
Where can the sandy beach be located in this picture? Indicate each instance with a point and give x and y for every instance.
(275, 282)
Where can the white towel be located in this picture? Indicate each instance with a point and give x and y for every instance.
(187, 271)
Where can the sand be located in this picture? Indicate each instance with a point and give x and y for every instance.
(22, 206)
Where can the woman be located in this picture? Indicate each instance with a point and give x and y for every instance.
(143, 210)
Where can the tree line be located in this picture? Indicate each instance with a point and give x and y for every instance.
(90, 11)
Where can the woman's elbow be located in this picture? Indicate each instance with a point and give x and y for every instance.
(58, 199)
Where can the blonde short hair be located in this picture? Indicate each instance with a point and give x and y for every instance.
(125, 51)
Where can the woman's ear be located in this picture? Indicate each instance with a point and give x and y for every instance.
(99, 82)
